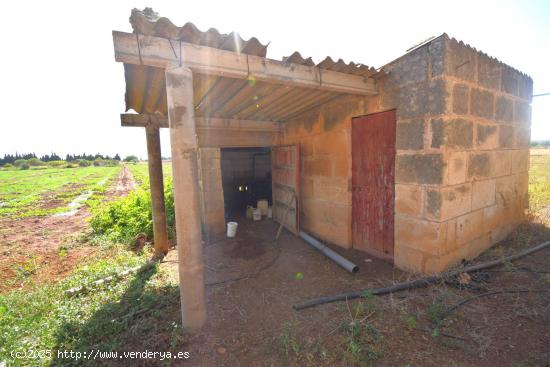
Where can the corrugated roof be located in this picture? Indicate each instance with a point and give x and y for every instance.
(225, 97)
(148, 22)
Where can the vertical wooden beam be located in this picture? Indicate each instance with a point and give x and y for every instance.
(156, 185)
(185, 171)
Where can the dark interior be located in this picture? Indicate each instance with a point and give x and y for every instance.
(246, 178)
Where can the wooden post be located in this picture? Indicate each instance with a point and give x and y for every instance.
(154, 162)
(185, 171)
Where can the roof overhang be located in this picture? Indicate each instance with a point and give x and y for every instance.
(229, 84)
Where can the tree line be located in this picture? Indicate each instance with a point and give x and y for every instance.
(11, 158)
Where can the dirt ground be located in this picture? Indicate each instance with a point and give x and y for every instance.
(252, 284)
(40, 248)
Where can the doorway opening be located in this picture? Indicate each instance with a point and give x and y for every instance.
(246, 178)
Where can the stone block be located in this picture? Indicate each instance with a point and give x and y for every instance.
(420, 234)
(409, 259)
(506, 136)
(455, 133)
(486, 136)
(341, 166)
(483, 194)
(335, 142)
(410, 69)
(509, 80)
(461, 99)
(448, 202)
(306, 147)
(422, 99)
(482, 103)
(461, 61)
(479, 165)
(457, 167)
(522, 112)
(501, 162)
(306, 187)
(409, 199)
(334, 190)
(522, 138)
(410, 135)
(328, 221)
(520, 160)
(488, 72)
(504, 109)
(525, 87)
(469, 227)
(318, 166)
(419, 168)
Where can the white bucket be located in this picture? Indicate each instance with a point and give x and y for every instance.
(257, 215)
(232, 229)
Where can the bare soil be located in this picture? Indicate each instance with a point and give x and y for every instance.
(252, 284)
(47, 248)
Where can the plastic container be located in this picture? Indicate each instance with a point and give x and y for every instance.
(263, 205)
(232, 229)
(257, 215)
(270, 212)
(249, 211)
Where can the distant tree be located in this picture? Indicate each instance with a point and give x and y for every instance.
(116, 157)
(35, 162)
(19, 162)
(131, 159)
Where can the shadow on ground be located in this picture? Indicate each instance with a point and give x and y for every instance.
(144, 318)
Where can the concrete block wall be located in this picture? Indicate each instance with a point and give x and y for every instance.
(324, 135)
(463, 123)
(213, 213)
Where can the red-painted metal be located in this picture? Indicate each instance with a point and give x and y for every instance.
(373, 184)
(285, 171)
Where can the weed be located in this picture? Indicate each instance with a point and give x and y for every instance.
(410, 321)
(288, 341)
(436, 312)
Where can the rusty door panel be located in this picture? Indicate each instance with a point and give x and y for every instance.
(373, 184)
(285, 171)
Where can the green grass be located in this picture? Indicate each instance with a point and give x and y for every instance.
(141, 173)
(24, 193)
(539, 182)
(45, 318)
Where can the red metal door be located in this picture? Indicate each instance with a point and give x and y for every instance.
(285, 170)
(373, 190)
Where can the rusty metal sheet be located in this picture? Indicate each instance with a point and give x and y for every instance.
(373, 183)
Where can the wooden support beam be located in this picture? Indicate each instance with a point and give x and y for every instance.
(186, 175)
(216, 132)
(131, 48)
(156, 185)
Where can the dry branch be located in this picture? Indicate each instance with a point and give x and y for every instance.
(418, 282)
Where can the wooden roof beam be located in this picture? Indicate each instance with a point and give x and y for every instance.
(131, 48)
(155, 120)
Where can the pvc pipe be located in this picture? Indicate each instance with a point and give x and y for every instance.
(337, 258)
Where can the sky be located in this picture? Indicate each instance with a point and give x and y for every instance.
(61, 89)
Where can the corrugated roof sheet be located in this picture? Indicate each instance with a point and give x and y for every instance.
(148, 22)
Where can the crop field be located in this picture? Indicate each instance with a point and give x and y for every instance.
(41, 192)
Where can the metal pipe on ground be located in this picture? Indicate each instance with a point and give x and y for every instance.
(337, 258)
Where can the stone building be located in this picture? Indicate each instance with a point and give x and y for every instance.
(423, 162)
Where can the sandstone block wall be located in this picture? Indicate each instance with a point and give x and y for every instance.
(324, 135)
(463, 131)
(213, 210)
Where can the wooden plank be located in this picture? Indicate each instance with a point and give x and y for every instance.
(131, 48)
(154, 163)
(144, 120)
(285, 170)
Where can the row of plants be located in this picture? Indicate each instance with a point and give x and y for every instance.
(25, 164)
